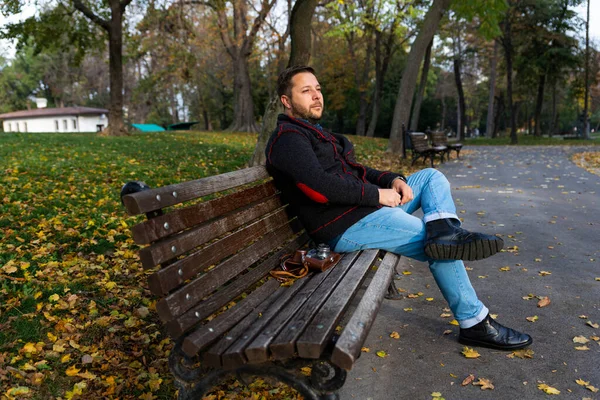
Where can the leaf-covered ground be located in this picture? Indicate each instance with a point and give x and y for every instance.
(588, 160)
(76, 318)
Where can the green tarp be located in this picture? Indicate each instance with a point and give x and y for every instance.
(148, 127)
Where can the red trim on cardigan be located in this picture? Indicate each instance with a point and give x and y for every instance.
(312, 194)
(281, 132)
(335, 219)
(382, 174)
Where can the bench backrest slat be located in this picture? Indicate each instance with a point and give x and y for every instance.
(166, 196)
(184, 218)
(439, 138)
(419, 142)
(170, 277)
(173, 246)
(183, 299)
(222, 297)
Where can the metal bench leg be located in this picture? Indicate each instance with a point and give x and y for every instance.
(393, 293)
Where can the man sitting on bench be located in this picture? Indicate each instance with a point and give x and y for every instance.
(353, 207)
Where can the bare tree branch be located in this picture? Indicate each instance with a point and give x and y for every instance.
(266, 7)
(124, 4)
(91, 16)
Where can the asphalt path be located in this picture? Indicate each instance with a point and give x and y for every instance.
(546, 209)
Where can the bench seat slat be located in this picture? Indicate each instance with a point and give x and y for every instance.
(230, 353)
(176, 245)
(348, 345)
(207, 307)
(314, 339)
(257, 350)
(146, 201)
(177, 220)
(206, 334)
(212, 356)
(284, 345)
(185, 298)
(168, 278)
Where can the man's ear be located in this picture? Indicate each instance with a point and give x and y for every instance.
(286, 101)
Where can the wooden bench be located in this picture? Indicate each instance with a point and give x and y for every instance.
(215, 240)
(421, 148)
(439, 138)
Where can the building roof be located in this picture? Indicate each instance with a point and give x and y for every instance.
(148, 127)
(49, 112)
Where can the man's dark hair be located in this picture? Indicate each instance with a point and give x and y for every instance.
(284, 82)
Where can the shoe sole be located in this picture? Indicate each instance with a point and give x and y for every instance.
(477, 343)
(471, 251)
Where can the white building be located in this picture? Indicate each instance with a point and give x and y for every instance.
(66, 119)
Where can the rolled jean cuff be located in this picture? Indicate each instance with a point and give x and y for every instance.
(432, 216)
(470, 322)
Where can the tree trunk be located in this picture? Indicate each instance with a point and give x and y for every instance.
(586, 122)
(381, 67)
(462, 113)
(489, 126)
(538, 106)
(444, 113)
(300, 33)
(115, 50)
(498, 116)
(554, 113)
(410, 73)
(414, 121)
(243, 105)
(508, 49)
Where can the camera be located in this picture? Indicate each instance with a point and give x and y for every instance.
(322, 252)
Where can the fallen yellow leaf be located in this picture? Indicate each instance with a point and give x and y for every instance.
(381, 354)
(523, 353)
(504, 269)
(544, 301)
(72, 371)
(548, 389)
(593, 325)
(581, 382)
(484, 383)
(532, 319)
(395, 335)
(468, 380)
(470, 353)
(365, 349)
(582, 348)
(453, 322)
(580, 339)
(545, 273)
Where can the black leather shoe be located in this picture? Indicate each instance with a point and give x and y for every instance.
(489, 333)
(446, 240)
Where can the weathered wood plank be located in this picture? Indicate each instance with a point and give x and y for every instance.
(348, 345)
(212, 357)
(316, 336)
(234, 355)
(177, 220)
(175, 274)
(154, 199)
(206, 334)
(284, 345)
(257, 350)
(176, 245)
(189, 295)
(207, 307)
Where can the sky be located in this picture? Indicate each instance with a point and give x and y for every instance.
(7, 48)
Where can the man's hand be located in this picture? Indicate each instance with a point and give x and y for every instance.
(389, 197)
(404, 191)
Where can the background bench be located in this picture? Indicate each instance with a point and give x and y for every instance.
(218, 301)
(439, 138)
(421, 148)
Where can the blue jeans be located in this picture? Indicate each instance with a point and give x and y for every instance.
(395, 229)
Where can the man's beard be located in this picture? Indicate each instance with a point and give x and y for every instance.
(308, 114)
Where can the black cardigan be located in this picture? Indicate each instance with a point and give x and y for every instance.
(317, 174)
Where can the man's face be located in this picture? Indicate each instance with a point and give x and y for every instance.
(306, 100)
